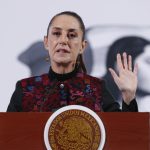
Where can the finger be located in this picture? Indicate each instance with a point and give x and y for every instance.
(125, 60)
(130, 62)
(113, 73)
(135, 71)
(119, 62)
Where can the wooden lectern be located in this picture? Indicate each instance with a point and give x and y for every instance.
(124, 131)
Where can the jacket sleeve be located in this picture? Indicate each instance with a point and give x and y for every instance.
(15, 104)
(110, 105)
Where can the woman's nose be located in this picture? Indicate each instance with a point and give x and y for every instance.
(63, 39)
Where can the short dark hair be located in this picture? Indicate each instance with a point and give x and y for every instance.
(133, 45)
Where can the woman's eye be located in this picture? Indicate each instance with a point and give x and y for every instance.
(71, 35)
(56, 33)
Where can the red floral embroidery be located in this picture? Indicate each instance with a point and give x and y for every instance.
(42, 94)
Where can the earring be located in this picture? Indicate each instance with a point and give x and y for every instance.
(47, 59)
(78, 60)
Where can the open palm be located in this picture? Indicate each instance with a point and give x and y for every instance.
(126, 79)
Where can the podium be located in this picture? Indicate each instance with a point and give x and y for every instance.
(124, 131)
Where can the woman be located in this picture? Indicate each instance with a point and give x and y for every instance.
(67, 82)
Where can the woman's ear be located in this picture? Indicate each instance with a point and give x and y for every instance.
(46, 42)
(84, 45)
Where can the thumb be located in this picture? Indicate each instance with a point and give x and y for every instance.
(114, 75)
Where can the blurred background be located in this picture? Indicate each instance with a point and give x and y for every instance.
(111, 27)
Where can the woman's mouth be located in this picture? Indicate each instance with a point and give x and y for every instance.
(63, 51)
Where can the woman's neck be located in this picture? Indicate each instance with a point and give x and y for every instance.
(62, 68)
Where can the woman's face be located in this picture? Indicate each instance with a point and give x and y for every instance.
(143, 62)
(64, 41)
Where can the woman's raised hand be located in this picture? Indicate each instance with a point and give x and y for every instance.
(126, 79)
